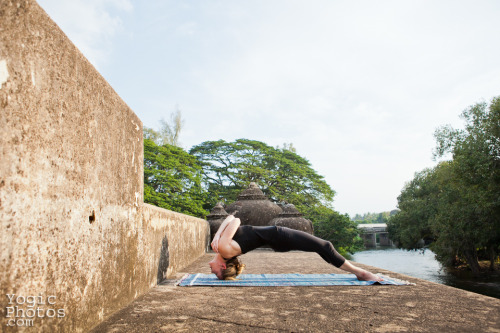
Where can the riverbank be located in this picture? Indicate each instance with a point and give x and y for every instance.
(484, 265)
(423, 265)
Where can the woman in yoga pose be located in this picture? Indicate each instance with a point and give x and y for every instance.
(231, 240)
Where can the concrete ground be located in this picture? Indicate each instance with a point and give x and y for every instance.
(425, 307)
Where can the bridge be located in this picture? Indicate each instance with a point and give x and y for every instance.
(375, 234)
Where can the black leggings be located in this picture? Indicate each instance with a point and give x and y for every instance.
(287, 239)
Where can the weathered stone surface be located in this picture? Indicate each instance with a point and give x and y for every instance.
(253, 208)
(291, 218)
(187, 239)
(71, 183)
(215, 219)
(425, 307)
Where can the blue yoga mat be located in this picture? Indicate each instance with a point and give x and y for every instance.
(277, 280)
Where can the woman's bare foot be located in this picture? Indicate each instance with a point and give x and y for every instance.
(368, 276)
(361, 274)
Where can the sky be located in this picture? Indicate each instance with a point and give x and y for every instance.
(358, 87)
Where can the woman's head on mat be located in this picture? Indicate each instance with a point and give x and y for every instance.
(234, 267)
(226, 269)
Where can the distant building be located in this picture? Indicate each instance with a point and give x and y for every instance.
(375, 234)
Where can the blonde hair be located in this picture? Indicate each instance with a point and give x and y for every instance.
(234, 267)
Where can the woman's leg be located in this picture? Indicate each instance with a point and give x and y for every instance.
(290, 239)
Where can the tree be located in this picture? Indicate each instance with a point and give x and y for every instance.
(283, 175)
(476, 167)
(368, 218)
(169, 132)
(340, 230)
(417, 204)
(172, 179)
(457, 203)
(458, 225)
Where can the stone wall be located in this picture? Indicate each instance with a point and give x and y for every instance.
(74, 229)
(187, 238)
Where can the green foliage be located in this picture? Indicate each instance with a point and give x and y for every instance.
(472, 211)
(457, 203)
(369, 218)
(151, 134)
(218, 171)
(340, 230)
(172, 179)
(417, 206)
(283, 175)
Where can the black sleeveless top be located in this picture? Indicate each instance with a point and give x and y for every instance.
(249, 237)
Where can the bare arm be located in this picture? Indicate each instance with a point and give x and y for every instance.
(225, 244)
(222, 227)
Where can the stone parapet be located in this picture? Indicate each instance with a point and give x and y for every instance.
(74, 229)
(181, 239)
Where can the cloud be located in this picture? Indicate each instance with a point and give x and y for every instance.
(89, 24)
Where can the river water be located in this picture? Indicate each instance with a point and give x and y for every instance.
(425, 266)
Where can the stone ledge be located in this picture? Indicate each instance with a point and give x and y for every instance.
(425, 307)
